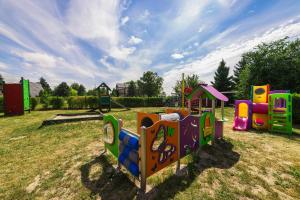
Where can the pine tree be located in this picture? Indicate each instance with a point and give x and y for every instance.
(222, 80)
(238, 68)
(46, 87)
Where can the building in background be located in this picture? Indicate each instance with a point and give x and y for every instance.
(35, 89)
(122, 89)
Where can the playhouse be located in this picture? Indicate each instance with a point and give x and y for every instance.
(164, 138)
(267, 110)
(16, 97)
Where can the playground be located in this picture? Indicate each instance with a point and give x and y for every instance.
(63, 161)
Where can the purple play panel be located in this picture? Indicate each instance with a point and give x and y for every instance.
(261, 108)
(189, 135)
(218, 129)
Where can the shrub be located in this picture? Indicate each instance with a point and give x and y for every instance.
(34, 101)
(57, 102)
(77, 102)
(296, 108)
(1, 104)
(154, 102)
(92, 102)
(128, 101)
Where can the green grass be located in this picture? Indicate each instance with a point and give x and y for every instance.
(63, 161)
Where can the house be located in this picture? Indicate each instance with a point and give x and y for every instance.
(122, 89)
(35, 89)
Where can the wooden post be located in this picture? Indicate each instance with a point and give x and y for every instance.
(143, 163)
(178, 161)
(200, 106)
(213, 102)
(222, 110)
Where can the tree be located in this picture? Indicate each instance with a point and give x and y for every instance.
(1, 82)
(222, 80)
(131, 89)
(92, 92)
(243, 84)
(191, 81)
(75, 86)
(238, 68)
(62, 90)
(114, 93)
(150, 84)
(81, 90)
(73, 92)
(46, 87)
(276, 63)
(1, 79)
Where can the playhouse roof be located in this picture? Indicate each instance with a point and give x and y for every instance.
(204, 88)
(104, 85)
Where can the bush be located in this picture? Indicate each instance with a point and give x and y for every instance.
(154, 102)
(34, 101)
(92, 102)
(57, 102)
(76, 102)
(128, 101)
(296, 108)
(1, 104)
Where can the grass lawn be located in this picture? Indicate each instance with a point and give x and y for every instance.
(63, 162)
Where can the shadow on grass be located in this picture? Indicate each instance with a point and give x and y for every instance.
(109, 184)
(112, 185)
(220, 156)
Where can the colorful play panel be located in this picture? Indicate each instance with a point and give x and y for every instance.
(16, 97)
(267, 110)
(164, 138)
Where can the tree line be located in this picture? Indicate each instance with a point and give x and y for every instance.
(276, 63)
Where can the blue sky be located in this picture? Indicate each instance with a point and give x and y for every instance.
(115, 41)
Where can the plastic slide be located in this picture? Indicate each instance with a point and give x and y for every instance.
(240, 123)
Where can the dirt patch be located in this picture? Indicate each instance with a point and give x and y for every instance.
(32, 186)
(17, 138)
(259, 190)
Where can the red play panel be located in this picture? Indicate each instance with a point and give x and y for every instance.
(13, 99)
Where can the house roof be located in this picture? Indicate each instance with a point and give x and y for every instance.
(207, 89)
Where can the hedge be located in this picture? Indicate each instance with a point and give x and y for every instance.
(89, 102)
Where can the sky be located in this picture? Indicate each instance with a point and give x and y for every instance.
(117, 40)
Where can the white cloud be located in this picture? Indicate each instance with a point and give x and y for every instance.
(3, 66)
(134, 40)
(177, 56)
(231, 53)
(124, 20)
(38, 59)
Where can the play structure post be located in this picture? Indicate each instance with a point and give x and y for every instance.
(178, 161)
(182, 91)
(222, 110)
(200, 105)
(143, 182)
(120, 125)
(213, 102)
